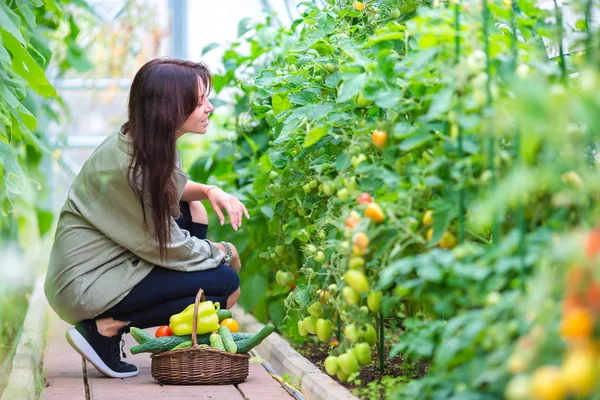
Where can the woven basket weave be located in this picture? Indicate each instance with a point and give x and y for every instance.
(199, 365)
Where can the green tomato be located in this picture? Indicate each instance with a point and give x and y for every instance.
(310, 324)
(374, 300)
(342, 376)
(357, 281)
(324, 328)
(368, 334)
(322, 235)
(343, 194)
(329, 188)
(348, 363)
(280, 250)
(350, 295)
(313, 184)
(492, 298)
(310, 249)
(362, 351)
(318, 78)
(301, 329)
(362, 101)
(354, 149)
(356, 262)
(351, 333)
(320, 256)
(273, 175)
(284, 278)
(315, 309)
(331, 365)
(330, 67)
(356, 160)
(307, 188)
(395, 14)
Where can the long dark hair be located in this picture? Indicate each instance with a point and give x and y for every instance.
(163, 94)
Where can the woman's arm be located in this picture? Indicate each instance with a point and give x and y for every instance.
(195, 191)
(219, 200)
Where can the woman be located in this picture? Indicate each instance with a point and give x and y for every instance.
(120, 257)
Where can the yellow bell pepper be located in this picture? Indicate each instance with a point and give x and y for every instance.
(208, 320)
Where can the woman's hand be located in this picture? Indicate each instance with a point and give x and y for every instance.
(220, 200)
(235, 262)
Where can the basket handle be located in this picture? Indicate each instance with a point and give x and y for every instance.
(199, 297)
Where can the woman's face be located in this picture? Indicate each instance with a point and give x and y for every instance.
(197, 122)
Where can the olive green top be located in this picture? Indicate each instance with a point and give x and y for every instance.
(102, 248)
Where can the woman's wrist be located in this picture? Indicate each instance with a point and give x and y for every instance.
(209, 189)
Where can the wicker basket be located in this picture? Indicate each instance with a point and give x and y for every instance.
(199, 365)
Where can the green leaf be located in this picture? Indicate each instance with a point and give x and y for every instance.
(208, 48)
(244, 26)
(8, 160)
(343, 162)
(303, 98)
(280, 103)
(440, 105)
(415, 140)
(268, 211)
(25, 65)
(254, 288)
(314, 135)
(276, 311)
(443, 214)
(27, 14)
(9, 22)
(351, 88)
(4, 56)
(44, 219)
(383, 37)
(388, 98)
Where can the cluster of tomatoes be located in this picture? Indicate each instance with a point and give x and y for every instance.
(230, 323)
(579, 372)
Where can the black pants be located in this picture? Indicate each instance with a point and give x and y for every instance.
(166, 292)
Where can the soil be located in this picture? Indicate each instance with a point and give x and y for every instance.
(395, 367)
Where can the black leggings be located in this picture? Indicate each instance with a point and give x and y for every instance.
(165, 292)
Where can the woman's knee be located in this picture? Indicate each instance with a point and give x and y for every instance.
(198, 211)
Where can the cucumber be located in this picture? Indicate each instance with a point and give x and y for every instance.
(183, 345)
(237, 336)
(139, 335)
(228, 342)
(158, 345)
(216, 342)
(245, 345)
(223, 314)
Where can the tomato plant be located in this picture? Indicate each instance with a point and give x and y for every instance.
(477, 164)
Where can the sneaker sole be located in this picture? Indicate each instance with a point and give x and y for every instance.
(78, 342)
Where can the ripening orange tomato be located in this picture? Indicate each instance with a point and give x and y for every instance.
(231, 324)
(358, 5)
(352, 221)
(592, 246)
(577, 323)
(379, 138)
(361, 240)
(375, 213)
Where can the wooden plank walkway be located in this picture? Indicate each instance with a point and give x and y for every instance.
(68, 378)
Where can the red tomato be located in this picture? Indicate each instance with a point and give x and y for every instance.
(365, 198)
(163, 331)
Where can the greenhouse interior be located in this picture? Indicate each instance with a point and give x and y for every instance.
(284, 199)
